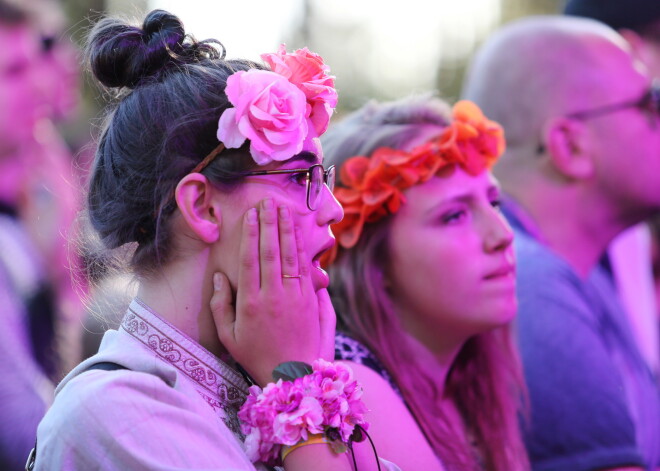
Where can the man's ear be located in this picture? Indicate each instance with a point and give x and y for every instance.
(566, 141)
(200, 210)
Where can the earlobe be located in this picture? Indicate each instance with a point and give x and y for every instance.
(194, 197)
(567, 147)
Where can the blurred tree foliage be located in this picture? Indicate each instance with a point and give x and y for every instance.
(342, 44)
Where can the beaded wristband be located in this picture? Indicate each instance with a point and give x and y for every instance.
(326, 401)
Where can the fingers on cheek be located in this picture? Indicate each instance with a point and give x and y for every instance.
(303, 261)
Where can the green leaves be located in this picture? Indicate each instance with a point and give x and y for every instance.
(290, 370)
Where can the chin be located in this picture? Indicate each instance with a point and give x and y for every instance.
(320, 279)
(498, 315)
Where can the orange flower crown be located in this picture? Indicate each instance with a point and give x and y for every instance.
(372, 187)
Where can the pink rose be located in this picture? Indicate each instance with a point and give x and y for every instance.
(269, 111)
(307, 71)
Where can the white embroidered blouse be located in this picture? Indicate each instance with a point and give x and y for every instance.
(173, 407)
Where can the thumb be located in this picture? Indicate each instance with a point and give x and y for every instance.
(328, 323)
(222, 310)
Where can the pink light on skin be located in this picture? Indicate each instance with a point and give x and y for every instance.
(288, 190)
(454, 274)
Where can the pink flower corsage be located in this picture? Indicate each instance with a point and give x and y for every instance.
(282, 111)
(326, 401)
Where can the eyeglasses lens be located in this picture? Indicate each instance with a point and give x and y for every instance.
(330, 178)
(315, 186)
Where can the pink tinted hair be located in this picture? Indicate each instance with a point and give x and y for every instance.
(485, 381)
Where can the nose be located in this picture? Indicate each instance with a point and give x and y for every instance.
(498, 234)
(330, 210)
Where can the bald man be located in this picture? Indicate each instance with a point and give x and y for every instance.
(631, 254)
(582, 165)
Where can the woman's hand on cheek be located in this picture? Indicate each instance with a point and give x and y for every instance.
(277, 316)
(328, 324)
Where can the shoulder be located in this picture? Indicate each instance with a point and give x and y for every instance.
(552, 296)
(93, 400)
(392, 426)
(133, 420)
(349, 349)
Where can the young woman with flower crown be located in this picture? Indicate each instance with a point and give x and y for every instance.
(424, 287)
(208, 171)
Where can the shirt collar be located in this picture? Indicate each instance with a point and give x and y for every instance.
(222, 387)
(520, 219)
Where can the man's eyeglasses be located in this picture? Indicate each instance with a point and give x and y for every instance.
(316, 176)
(649, 103)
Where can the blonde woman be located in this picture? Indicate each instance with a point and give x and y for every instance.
(424, 284)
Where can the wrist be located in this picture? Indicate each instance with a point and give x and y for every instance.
(322, 400)
(316, 439)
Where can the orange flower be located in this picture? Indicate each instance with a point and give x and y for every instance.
(472, 141)
(373, 187)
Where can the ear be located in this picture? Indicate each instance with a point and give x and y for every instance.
(195, 197)
(567, 147)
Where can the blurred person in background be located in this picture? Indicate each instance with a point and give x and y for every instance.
(39, 194)
(631, 254)
(424, 284)
(583, 132)
(51, 195)
(28, 363)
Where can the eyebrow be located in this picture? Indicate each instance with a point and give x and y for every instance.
(492, 191)
(306, 156)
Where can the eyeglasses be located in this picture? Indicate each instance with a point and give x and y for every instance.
(316, 177)
(649, 103)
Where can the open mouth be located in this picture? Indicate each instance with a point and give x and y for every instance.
(317, 259)
(319, 274)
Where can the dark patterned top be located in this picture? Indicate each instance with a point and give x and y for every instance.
(349, 349)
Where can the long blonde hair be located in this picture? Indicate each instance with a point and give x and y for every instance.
(485, 381)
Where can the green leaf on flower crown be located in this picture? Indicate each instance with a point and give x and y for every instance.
(290, 370)
(338, 447)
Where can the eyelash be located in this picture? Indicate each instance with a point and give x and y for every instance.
(299, 178)
(456, 215)
(453, 216)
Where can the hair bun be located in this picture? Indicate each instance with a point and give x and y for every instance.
(121, 55)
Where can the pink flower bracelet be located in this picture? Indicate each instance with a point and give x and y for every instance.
(317, 404)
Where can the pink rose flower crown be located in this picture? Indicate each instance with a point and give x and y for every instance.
(281, 111)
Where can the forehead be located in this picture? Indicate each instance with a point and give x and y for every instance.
(302, 160)
(456, 186)
(618, 72)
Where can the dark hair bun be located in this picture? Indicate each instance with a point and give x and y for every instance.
(121, 55)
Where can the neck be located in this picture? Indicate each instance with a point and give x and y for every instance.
(180, 293)
(435, 355)
(575, 224)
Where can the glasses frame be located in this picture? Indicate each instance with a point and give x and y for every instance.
(309, 171)
(650, 97)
